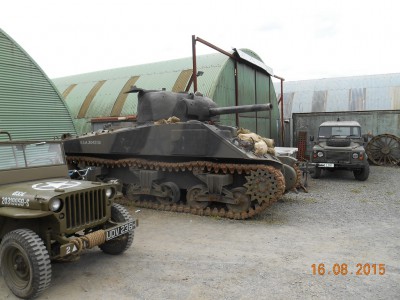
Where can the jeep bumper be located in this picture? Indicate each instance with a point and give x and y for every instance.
(97, 238)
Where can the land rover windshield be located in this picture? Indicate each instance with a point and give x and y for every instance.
(326, 132)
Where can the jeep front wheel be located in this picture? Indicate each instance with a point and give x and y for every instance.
(25, 263)
(123, 242)
(362, 174)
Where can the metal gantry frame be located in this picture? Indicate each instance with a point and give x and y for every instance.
(236, 60)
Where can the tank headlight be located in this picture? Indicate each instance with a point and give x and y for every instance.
(55, 204)
(355, 155)
(320, 154)
(110, 192)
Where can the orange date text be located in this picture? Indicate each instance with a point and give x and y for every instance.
(344, 269)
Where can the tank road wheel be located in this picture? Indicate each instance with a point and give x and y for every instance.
(123, 242)
(193, 194)
(25, 263)
(265, 185)
(173, 193)
(130, 190)
(239, 194)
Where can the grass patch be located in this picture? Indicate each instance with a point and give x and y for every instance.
(364, 200)
(270, 220)
(310, 200)
(287, 199)
(273, 222)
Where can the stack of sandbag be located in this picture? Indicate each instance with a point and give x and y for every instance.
(170, 120)
(261, 145)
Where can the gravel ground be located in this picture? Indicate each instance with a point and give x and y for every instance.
(182, 256)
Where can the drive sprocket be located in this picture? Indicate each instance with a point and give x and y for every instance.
(264, 185)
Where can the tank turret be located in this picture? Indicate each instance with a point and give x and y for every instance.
(157, 105)
(178, 157)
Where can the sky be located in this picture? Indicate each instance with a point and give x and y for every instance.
(299, 40)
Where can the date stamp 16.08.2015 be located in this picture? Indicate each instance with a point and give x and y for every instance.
(345, 269)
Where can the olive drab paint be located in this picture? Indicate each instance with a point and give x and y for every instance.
(45, 215)
(178, 157)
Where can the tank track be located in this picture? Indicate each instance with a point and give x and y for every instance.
(299, 184)
(194, 166)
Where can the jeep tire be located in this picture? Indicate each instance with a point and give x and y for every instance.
(123, 242)
(362, 174)
(25, 263)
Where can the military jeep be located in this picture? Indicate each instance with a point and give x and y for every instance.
(45, 216)
(339, 146)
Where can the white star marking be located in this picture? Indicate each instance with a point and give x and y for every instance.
(52, 185)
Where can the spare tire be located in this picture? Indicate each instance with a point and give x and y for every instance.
(338, 142)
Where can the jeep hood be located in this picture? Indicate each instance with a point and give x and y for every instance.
(45, 188)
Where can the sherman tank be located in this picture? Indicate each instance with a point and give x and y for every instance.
(178, 157)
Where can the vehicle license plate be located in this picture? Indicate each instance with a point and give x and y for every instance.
(326, 165)
(112, 233)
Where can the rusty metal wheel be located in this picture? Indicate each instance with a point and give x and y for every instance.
(262, 186)
(173, 193)
(384, 149)
(244, 201)
(193, 195)
(131, 192)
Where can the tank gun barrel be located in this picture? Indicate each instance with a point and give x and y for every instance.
(239, 109)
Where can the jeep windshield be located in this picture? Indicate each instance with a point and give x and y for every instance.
(326, 132)
(18, 155)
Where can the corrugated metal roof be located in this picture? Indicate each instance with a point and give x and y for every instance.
(216, 79)
(31, 107)
(150, 74)
(158, 75)
(257, 62)
(357, 93)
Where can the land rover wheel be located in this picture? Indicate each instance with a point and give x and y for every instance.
(362, 174)
(25, 263)
(123, 242)
(317, 172)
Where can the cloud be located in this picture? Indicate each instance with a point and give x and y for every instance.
(299, 40)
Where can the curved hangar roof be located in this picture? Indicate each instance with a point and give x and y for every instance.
(355, 93)
(31, 107)
(102, 94)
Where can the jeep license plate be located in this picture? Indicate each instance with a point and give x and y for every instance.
(326, 165)
(112, 233)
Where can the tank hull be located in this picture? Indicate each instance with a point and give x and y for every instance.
(169, 142)
(188, 166)
(185, 161)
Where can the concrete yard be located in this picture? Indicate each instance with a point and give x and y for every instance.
(340, 223)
